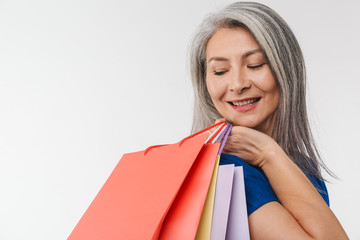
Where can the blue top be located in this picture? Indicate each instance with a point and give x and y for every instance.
(257, 187)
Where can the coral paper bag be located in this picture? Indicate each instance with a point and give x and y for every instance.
(184, 216)
(135, 199)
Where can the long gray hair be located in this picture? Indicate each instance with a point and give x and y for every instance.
(284, 57)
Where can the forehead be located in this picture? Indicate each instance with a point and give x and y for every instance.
(228, 41)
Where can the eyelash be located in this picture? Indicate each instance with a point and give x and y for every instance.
(251, 67)
(219, 73)
(257, 66)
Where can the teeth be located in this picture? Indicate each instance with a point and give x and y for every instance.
(244, 103)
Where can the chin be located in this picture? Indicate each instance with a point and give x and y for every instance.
(243, 124)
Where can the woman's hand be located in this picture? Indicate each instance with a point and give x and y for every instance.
(302, 214)
(249, 144)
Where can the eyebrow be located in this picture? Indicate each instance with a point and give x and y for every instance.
(245, 55)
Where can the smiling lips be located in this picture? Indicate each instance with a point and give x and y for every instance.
(245, 104)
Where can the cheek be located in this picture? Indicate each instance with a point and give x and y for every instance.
(271, 89)
(215, 88)
(267, 83)
(211, 88)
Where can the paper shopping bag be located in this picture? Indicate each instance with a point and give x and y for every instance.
(183, 218)
(222, 201)
(134, 201)
(238, 227)
(204, 228)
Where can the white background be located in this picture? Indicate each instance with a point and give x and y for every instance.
(83, 81)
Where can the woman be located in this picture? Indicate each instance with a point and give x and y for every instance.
(248, 68)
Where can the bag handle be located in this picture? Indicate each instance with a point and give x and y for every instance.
(226, 133)
(215, 135)
(193, 135)
(202, 131)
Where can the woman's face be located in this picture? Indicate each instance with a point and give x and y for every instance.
(239, 80)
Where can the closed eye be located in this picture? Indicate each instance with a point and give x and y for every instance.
(256, 66)
(219, 73)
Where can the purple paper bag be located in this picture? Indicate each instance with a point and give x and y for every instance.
(222, 202)
(238, 227)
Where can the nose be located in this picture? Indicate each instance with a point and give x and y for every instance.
(239, 81)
